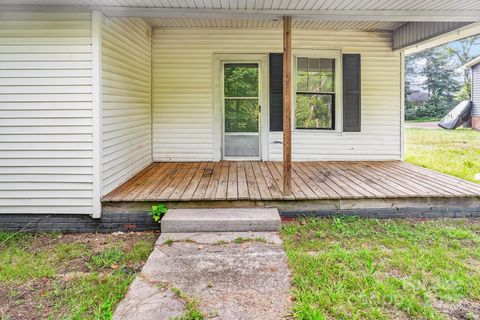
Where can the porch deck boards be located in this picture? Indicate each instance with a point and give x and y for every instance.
(253, 180)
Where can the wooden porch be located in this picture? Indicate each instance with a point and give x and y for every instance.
(254, 181)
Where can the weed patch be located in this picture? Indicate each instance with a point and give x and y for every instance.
(72, 276)
(353, 268)
(191, 306)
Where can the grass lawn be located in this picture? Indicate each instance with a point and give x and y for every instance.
(351, 268)
(455, 152)
(423, 120)
(71, 276)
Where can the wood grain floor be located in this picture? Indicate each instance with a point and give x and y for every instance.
(255, 180)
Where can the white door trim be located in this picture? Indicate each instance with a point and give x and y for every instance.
(217, 122)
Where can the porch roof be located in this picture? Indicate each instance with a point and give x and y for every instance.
(359, 10)
(415, 25)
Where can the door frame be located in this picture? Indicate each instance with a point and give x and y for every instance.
(218, 111)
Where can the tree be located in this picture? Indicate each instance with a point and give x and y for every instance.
(438, 77)
(462, 52)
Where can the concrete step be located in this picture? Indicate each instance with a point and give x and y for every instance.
(221, 220)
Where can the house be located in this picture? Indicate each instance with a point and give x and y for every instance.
(106, 107)
(418, 97)
(474, 67)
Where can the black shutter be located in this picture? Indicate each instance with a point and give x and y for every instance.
(351, 93)
(276, 91)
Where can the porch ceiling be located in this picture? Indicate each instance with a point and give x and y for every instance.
(252, 23)
(412, 22)
(340, 5)
(320, 10)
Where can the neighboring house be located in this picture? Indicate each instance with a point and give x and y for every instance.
(418, 97)
(474, 67)
(91, 95)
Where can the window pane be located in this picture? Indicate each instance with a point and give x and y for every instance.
(241, 80)
(315, 75)
(302, 74)
(314, 111)
(327, 75)
(241, 115)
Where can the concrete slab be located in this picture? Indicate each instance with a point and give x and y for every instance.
(234, 276)
(221, 220)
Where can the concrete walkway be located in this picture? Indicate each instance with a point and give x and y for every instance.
(242, 275)
(422, 125)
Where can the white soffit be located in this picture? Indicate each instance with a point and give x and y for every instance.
(251, 23)
(414, 5)
(320, 10)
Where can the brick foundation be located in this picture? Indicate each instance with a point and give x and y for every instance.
(110, 222)
(135, 221)
(476, 123)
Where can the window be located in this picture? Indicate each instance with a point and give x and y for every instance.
(241, 97)
(315, 93)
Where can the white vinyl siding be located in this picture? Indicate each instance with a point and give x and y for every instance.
(476, 90)
(126, 107)
(183, 94)
(46, 113)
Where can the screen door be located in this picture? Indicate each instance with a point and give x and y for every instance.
(241, 138)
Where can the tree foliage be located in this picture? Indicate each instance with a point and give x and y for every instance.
(241, 98)
(436, 71)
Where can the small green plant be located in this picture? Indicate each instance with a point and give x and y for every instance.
(241, 240)
(158, 211)
(469, 164)
(191, 306)
(107, 258)
(169, 242)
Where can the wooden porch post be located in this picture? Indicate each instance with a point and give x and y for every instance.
(287, 103)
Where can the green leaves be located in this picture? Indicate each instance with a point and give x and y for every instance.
(158, 211)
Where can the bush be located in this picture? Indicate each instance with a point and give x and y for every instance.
(430, 109)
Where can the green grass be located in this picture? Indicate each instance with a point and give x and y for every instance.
(455, 152)
(191, 306)
(426, 119)
(68, 276)
(349, 268)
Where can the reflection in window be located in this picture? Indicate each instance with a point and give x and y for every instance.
(315, 93)
(241, 97)
(241, 115)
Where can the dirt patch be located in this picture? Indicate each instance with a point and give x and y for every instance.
(36, 298)
(462, 310)
(25, 301)
(95, 242)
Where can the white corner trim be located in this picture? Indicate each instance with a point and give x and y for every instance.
(97, 111)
